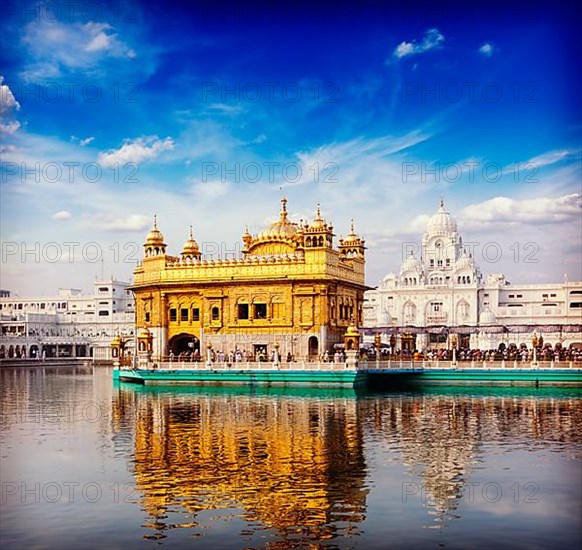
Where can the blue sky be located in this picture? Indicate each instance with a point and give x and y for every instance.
(203, 114)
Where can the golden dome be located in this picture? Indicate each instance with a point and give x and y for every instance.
(282, 228)
(155, 237)
(190, 246)
(318, 222)
(352, 238)
(352, 330)
(144, 333)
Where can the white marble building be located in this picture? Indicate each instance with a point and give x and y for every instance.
(440, 292)
(68, 324)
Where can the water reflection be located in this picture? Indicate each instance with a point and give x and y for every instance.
(299, 464)
(294, 464)
(280, 468)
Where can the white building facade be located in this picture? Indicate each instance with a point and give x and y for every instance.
(442, 293)
(68, 324)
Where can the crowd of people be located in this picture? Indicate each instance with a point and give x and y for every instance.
(503, 353)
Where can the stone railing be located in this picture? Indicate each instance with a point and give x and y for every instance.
(249, 365)
(434, 364)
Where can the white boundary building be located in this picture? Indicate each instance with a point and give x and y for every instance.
(443, 292)
(68, 324)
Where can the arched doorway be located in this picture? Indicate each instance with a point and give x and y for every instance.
(313, 346)
(185, 344)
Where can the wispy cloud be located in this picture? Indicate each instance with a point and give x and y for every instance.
(134, 222)
(63, 215)
(138, 150)
(432, 39)
(56, 49)
(553, 157)
(539, 210)
(487, 49)
(82, 142)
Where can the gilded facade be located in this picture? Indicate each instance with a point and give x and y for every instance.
(291, 287)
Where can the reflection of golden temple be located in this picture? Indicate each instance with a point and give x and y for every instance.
(291, 464)
(300, 462)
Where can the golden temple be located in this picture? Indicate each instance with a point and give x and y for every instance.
(290, 290)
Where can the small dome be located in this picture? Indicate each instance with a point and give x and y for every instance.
(155, 237)
(190, 246)
(411, 264)
(144, 333)
(282, 228)
(465, 262)
(352, 238)
(442, 222)
(318, 222)
(487, 317)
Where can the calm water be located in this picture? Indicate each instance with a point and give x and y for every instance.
(85, 464)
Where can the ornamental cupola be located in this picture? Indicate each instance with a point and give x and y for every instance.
(353, 246)
(318, 234)
(154, 245)
(191, 250)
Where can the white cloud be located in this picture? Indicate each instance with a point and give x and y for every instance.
(55, 48)
(539, 210)
(432, 39)
(551, 157)
(63, 215)
(82, 142)
(137, 150)
(8, 108)
(134, 222)
(211, 189)
(225, 108)
(487, 49)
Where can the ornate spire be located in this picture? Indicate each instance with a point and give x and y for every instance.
(155, 221)
(442, 203)
(283, 215)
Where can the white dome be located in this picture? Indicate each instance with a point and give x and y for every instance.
(465, 262)
(441, 223)
(411, 264)
(487, 317)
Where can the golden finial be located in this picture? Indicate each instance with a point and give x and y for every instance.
(352, 227)
(191, 236)
(318, 211)
(283, 208)
(155, 221)
(442, 202)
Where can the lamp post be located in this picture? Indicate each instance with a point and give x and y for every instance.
(377, 344)
(209, 355)
(276, 355)
(454, 342)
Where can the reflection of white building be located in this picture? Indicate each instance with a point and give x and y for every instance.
(442, 291)
(70, 324)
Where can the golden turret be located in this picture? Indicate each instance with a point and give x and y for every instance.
(154, 245)
(191, 250)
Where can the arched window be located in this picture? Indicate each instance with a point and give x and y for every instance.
(215, 313)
